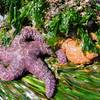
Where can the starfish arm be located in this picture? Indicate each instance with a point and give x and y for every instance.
(5, 74)
(31, 33)
(27, 34)
(2, 52)
(15, 42)
(4, 55)
(40, 70)
(61, 56)
(11, 72)
(45, 49)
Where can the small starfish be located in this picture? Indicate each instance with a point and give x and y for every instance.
(25, 53)
(71, 50)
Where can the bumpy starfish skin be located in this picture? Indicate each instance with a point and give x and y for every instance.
(72, 50)
(26, 55)
(61, 56)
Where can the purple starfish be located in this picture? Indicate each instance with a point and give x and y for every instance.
(25, 53)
